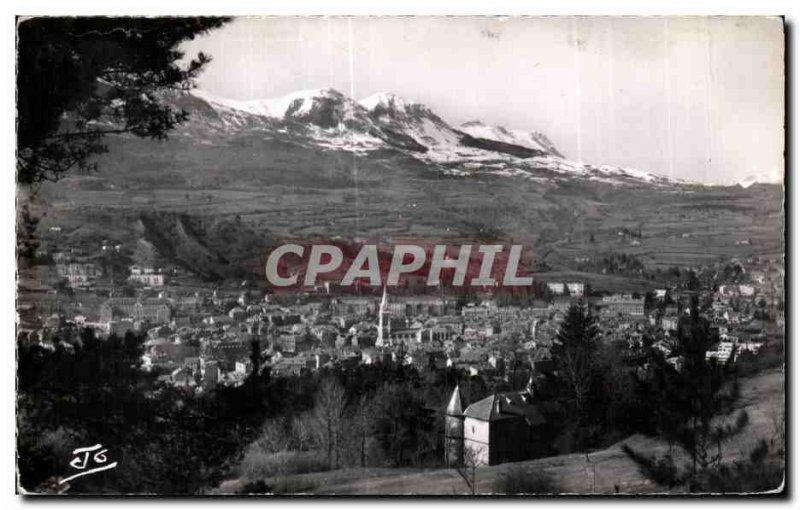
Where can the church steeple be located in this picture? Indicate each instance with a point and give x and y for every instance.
(381, 321)
(454, 429)
(456, 405)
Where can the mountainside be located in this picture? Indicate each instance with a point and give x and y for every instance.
(240, 176)
(775, 177)
(531, 139)
(327, 119)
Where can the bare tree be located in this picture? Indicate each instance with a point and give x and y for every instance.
(303, 433)
(327, 418)
(468, 468)
(361, 426)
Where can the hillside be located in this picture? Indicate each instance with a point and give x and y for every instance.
(762, 397)
(317, 163)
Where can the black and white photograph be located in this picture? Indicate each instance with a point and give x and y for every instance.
(351, 255)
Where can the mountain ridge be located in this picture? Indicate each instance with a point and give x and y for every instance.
(330, 120)
(774, 177)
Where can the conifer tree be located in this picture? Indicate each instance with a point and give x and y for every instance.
(693, 402)
(80, 79)
(573, 355)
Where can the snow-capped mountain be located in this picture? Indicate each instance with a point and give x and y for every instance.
(774, 177)
(325, 108)
(531, 139)
(396, 115)
(329, 120)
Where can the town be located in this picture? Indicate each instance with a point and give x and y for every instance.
(241, 271)
(369, 254)
(200, 339)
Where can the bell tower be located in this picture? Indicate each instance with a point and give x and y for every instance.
(383, 337)
(454, 430)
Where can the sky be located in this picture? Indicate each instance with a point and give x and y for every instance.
(698, 98)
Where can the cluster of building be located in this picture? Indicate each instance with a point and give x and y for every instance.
(198, 340)
(201, 339)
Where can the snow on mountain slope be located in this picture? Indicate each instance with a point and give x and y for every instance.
(530, 139)
(275, 108)
(386, 100)
(773, 177)
(397, 115)
(329, 120)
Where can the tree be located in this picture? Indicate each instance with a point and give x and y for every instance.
(328, 418)
(401, 422)
(27, 244)
(360, 427)
(573, 355)
(87, 390)
(255, 359)
(82, 78)
(691, 401)
(468, 468)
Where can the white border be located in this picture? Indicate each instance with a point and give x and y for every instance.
(308, 7)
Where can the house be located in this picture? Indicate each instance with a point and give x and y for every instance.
(669, 323)
(218, 320)
(561, 304)
(349, 360)
(320, 359)
(436, 360)
(325, 334)
(243, 367)
(209, 371)
(118, 327)
(421, 305)
(576, 289)
(436, 334)
(362, 340)
(722, 352)
(146, 276)
(370, 356)
(746, 290)
(623, 304)
(353, 306)
(182, 376)
(726, 347)
(229, 351)
(404, 336)
(289, 366)
(497, 429)
(79, 273)
(287, 343)
(497, 362)
(507, 313)
(472, 312)
(156, 311)
(237, 313)
(540, 309)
